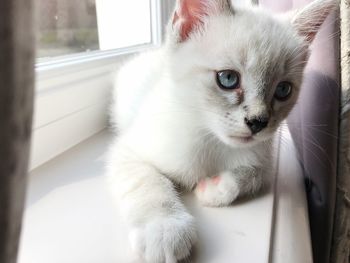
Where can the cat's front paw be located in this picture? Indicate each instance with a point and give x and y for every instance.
(220, 190)
(165, 239)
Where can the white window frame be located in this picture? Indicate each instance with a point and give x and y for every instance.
(63, 117)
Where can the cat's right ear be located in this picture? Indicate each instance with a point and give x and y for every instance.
(309, 19)
(190, 15)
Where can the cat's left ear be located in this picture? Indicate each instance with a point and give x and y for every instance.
(189, 15)
(309, 19)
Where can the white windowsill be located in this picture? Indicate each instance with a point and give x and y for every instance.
(71, 218)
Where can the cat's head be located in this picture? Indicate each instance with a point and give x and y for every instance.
(241, 69)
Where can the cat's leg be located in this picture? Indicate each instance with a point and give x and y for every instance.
(161, 230)
(224, 188)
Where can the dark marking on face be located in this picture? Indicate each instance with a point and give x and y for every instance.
(240, 95)
(272, 104)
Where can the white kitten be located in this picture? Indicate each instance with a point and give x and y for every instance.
(202, 110)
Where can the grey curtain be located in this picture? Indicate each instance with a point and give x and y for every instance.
(16, 107)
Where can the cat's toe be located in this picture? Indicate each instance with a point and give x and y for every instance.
(217, 191)
(165, 239)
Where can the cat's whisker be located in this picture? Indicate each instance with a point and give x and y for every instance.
(318, 130)
(286, 142)
(311, 141)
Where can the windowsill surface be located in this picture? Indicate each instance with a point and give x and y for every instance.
(71, 217)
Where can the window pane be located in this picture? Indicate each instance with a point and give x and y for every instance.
(74, 26)
(123, 23)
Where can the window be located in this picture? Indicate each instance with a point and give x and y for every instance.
(75, 26)
(80, 44)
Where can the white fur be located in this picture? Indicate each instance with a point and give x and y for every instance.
(173, 129)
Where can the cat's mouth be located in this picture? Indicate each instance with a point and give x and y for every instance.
(242, 139)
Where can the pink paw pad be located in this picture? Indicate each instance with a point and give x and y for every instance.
(215, 180)
(202, 185)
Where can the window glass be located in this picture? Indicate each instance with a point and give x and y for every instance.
(74, 26)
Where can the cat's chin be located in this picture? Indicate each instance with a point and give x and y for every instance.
(238, 141)
(243, 141)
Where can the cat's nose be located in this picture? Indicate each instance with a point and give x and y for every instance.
(256, 124)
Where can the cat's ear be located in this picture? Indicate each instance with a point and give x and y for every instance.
(189, 15)
(309, 19)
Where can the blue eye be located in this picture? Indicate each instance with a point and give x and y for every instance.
(227, 79)
(283, 90)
